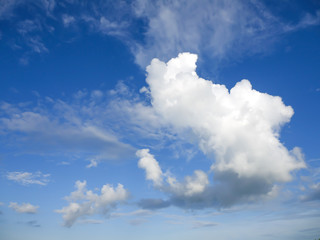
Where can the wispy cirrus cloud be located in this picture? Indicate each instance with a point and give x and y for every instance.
(217, 29)
(28, 178)
(32, 223)
(78, 126)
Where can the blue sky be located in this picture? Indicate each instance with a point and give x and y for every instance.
(159, 119)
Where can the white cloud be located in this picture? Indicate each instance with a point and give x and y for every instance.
(83, 202)
(67, 20)
(105, 26)
(217, 29)
(66, 128)
(201, 224)
(192, 185)
(140, 212)
(151, 166)
(7, 7)
(24, 207)
(91, 221)
(27, 178)
(240, 128)
(307, 20)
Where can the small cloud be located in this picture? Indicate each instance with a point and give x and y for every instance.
(137, 221)
(93, 163)
(36, 44)
(27, 178)
(96, 94)
(67, 20)
(33, 223)
(201, 224)
(28, 26)
(91, 221)
(83, 203)
(140, 212)
(152, 204)
(24, 207)
(64, 163)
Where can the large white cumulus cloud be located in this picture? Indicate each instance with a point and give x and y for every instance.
(240, 127)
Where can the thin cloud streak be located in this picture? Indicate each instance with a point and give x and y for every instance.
(27, 178)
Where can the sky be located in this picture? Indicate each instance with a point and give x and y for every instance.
(159, 119)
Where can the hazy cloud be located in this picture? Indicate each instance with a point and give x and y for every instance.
(163, 28)
(33, 223)
(79, 126)
(24, 207)
(140, 213)
(67, 20)
(153, 204)
(313, 193)
(217, 29)
(201, 224)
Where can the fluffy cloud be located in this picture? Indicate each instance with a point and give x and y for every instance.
(83, 202)
(151, 166)
(27, 178)
(24, 207)
(240, 128)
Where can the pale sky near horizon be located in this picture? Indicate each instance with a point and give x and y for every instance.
(159, 119)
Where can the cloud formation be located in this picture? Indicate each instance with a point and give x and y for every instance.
(78, 126)
(151, 166)
(27, 178)
(83, 202)
(240, 128)
(162, 28)
(313, 193)
(24, 207)
(217, 29)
